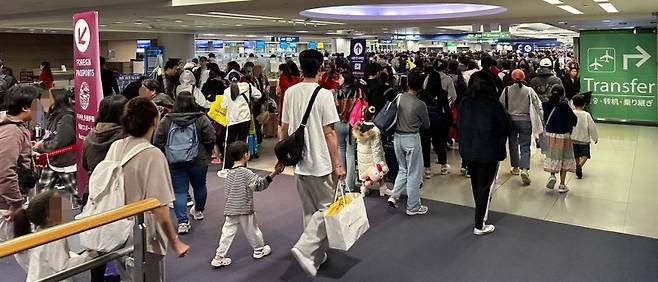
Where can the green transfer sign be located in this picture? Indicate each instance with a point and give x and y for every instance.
(619, 67)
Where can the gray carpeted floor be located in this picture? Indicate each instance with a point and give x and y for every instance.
(436, 247)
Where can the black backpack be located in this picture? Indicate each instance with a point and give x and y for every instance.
(289, 151)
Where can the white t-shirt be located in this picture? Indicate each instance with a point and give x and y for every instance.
(316, 159)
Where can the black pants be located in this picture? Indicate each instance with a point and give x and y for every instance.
(437, 137)
(483, 176)
(236, 132)
(98, 274)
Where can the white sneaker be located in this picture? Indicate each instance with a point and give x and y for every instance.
(525, 177)
(384, 191)
(515, 171)
(444, 169)
(184, 228)
(197, 215)
(392, 202)
(551, 182)
(218, 262)
(428, 173)
(421, 211)
(563, 189)
(463, 171)
(486, 229)
(190, 203)
(306, 263)
(171, 205)
(262, 252)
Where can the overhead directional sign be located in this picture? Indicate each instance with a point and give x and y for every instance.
(643, 56)
(619, 67)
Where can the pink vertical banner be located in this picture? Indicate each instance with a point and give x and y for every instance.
(88, 87)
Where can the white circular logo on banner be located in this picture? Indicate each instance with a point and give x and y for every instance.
(358, 49)
(84, 96)
(527, 48)
(82, 35)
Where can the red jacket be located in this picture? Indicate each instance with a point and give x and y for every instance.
(284, 84)
(47, 79)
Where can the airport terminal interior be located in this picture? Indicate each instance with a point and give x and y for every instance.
(591, 66)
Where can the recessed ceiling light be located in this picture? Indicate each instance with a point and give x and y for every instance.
(178, 21)
(184, 25)
(102, 25)
(573, 26)
(118, 22)
(139, 23)
(554, 2)
(608, 7)
(238, 25)
(606, 21)
(570, 9)
(600, 1)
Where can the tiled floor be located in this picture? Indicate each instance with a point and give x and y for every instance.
(618, 193)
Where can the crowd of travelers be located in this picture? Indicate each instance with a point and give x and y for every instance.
(197, 116)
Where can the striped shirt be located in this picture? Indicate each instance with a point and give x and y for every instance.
(239, 190)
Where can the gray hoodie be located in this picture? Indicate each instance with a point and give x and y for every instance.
(205, 132)
(98, 143)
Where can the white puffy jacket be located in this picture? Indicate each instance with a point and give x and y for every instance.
(369, 147)
(188, 83)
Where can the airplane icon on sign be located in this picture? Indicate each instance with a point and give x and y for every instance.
(596, 65)
(606, 58)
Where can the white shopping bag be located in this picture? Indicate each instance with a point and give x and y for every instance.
(349, 224)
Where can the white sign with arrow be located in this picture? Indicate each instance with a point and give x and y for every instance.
(644, 56)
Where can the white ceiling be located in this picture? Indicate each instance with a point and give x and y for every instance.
(152, 16)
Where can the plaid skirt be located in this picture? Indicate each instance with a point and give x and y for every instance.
(559, 153)
(50, 178)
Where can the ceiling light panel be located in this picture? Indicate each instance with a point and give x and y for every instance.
(223, 17)
(608, 7)
(177, 3)
(570, 9)
(554, 2)
(244, 15)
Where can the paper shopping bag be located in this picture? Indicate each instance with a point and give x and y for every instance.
(346, 226)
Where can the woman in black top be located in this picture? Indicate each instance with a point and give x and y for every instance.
(483, 130)
(571, 83)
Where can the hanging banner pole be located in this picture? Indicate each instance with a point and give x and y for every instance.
(88, 87)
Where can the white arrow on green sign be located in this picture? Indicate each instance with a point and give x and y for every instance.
(643, 56)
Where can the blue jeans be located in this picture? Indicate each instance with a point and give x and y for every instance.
(409, 153)
(181, 179)
(520, 140)
(346, 149)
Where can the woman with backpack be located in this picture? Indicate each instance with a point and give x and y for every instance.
(522, 105)
(237, 102)
(107, 130)
(188, 83)
(148, 174)
(188, 161)
(60, 134)
(345, 99)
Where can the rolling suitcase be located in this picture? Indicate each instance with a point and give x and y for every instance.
(252, 143)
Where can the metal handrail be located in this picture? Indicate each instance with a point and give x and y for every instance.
(96, 262)
(46, 236)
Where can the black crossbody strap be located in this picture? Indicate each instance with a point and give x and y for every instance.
(506, 99)
(310, 106)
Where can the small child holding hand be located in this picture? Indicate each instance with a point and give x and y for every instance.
(239, 189)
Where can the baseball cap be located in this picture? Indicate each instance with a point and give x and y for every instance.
(546, 63)
(518, 75)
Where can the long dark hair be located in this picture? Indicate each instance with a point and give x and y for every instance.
(47, 70)
(37, 213)
(294, 69)
(481, 83)
(285, 70)
(61, 102)
(111, 109)
(185, 103)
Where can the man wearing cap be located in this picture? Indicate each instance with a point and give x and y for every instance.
(522, 105)
(545, 79)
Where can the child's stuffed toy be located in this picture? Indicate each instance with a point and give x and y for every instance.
(376, 173)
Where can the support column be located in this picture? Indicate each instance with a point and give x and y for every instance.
(179, 46)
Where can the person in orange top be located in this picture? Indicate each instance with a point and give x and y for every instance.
(46, 75)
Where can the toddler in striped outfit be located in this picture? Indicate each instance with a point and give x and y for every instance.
(239, 189)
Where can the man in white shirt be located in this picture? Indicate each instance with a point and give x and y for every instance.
(321, 167)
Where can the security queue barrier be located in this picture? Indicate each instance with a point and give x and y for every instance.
(46, 236)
